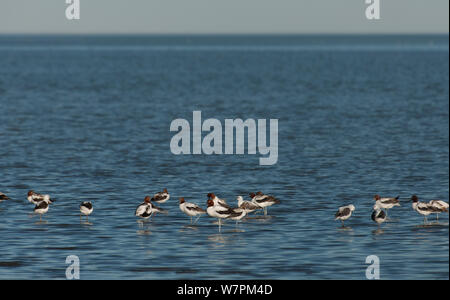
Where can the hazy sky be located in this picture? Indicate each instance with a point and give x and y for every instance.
(224, 16)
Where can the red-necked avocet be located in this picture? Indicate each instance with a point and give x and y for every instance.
(191, 209)
(344, 213)
(144, 210)
(439, 206)
(35, 198)
(378, 215)
(422, 208)
(161, 197)
(218, 211)
(387, 203)
(263, 201)
(42, 207)
(249, 206)
(86, 209)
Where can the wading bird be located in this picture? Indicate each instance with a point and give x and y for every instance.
(144, 210)
(439, 206)
(161, 197)
(386, 203)
(42, 207)
(263, 201)
(344, 213)
(35, 198)
(191, 209)
(249, 206)
(422, 208)
(86, 209)
(219, 212)
(378, 215)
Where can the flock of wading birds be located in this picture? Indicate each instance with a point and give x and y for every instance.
(219, 209)
(216, 207)
(379, 215)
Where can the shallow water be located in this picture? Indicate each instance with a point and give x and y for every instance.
(87, 118)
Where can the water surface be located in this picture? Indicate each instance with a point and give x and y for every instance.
(87, 118)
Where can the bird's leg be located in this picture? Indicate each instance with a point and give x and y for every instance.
(195, 222)
(220, 224)
(265, 211)
(40, 218)
(191, 220)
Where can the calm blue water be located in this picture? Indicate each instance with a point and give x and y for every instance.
(87, 118)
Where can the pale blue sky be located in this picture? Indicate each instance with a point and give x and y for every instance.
(224, 16)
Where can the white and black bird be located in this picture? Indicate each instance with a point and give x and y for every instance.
(249, 206)
(191, 209)
(3, 197)
(439, 207)
(161, 197)
(42, 207)
(144, 210)
(344, 213)
(86, 209)
(387, 203)
(378, 215)
(422, 208)
(35, 198)
(263, 201)
(219, 212)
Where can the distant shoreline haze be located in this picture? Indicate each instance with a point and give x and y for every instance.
(309, 42)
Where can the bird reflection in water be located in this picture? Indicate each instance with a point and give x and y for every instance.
(379, 231)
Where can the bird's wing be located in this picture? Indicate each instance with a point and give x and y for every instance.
(389, 200)
(439, 204)
(142, 208)
(424, 207)
(41, 205)
(88, 205)
(194, 207)
(343, 211)
(249, 205)
(159, 196)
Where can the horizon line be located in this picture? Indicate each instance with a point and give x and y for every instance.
(231, 33)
